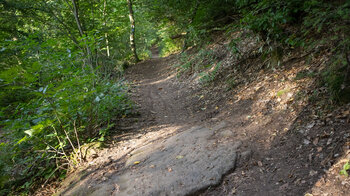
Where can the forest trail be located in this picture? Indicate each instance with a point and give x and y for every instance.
(177, 154)
(157, 91)
(257, 102)
(189, 140)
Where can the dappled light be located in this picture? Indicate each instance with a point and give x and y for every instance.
(196, 97)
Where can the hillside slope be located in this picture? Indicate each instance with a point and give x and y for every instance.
(263, 136)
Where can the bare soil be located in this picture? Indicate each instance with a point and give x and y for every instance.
(290, 144)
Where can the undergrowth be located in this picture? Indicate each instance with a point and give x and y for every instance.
(310, 26)
(58, 86)
(50, 107)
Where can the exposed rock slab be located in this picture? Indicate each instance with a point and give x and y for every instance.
(180, 165)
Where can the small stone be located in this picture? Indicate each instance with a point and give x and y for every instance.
(321, 156)
(284, 186)
(306, 142)
(302, 131)
(310, 157)
(313, 172)
(233, 191)
(226, 133)
(310, 125)
(329, 141)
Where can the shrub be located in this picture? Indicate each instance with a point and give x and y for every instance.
(50, 106)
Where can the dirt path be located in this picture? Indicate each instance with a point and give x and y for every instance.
(190, 141)
(175, 154)
(159, 93)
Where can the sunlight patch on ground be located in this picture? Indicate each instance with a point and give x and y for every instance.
(162, 80)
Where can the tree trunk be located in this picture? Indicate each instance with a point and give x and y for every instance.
(132, 34)
(76, 17)
(105, 25)
(81, 32)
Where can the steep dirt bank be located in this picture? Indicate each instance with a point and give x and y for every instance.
(299, 139)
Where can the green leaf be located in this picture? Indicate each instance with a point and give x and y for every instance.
(344, 170)
(30, 132)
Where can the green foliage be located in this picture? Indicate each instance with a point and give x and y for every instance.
(333, 78)
(202, 60)
(195, 18)
(304, 74)
(232, 46)
(51, 102)
(231, 83)
(322, 15)
(288, 23)
(282, 92)
(167, 45)
(58, 88)
(207, 77)
(55, 86)
(345, 169)
(269, 18)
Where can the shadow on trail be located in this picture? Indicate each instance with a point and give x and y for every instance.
(286, 159)
(291, 154)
